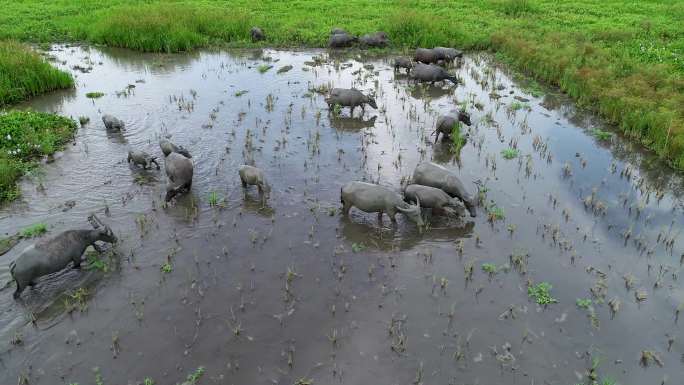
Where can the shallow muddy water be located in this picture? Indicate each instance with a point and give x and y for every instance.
(294, 292)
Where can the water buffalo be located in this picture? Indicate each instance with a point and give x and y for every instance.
(403, 62)
(112, 123)
(257, 34)
(349, 97)
(431, 73)
(54, 254)
(378, 39)
(434, 198)
(341, 40)
(434, 175)
(445, 123)
(168, 147)
(447, 54)
(141, 158)
(426, 56)
(372, 198)
(179, 169)
(253, 176)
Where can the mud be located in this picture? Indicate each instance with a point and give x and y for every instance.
(293, 292)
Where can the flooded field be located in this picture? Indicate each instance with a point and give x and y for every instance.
(296, 293)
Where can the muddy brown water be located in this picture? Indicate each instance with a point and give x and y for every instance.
(294, 292)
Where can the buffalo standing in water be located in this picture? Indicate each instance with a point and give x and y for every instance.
(434, 175)
(431, 73)
(179, 169)
(445, 123)
(54, 254)
(349, 97)
(373, 198)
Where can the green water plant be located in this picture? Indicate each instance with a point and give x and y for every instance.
(541, 293)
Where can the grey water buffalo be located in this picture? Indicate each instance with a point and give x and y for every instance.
(403, 62)
(378, 39)
(431, 73)
(179, 169)
(168, 147)
(447, 54)
(373, 198)
(434, 175)
(341, 40)
(445, 123)
(141, 158)
(54, 254)
(426, 56)
(434, 198)
(112, 123)
(257, 34)
(349, 97)
(253, 176)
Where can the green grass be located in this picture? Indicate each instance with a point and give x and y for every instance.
(489, 268)
(601, 134)
(263, 68)
(510, 153)
(457, 139)
(496, 213)
(34, 230)
(24, 137)
(95, 95)
(24, 73)
(166, 267)
(621, 58)
(541, 293)
(584, 303)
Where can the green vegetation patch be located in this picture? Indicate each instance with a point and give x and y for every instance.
(94, 95)
(24, 137)
(24, 73)
(541, 293)
(34, 230)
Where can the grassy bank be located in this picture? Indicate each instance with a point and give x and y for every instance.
(26, 136)
(622, 58)
(24, 73)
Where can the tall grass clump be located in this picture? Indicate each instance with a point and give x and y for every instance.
(24, 73)
(516, 8)
(24, 137)
(414, 29)
(163, 27)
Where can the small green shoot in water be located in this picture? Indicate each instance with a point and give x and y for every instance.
(541, 293)
(148, 381)
(515, 106)
(194, 377)
(601, 134)
(34, 230)
(166, 267)
(358, 247)
(336, 109)
(95, 263)
(83, 120)
(264, 67)
(94, 95)
(510, 153)
(213, 199)
(457, 140)
(240, 93)
(584, 303)
(496, 213)
(489, 268)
